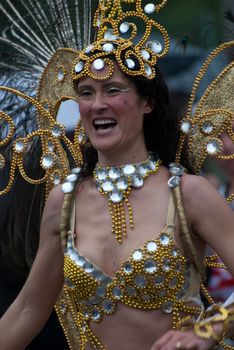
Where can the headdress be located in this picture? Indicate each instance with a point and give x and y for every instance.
(124, 31)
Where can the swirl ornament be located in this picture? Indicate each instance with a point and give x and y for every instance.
(119, 36)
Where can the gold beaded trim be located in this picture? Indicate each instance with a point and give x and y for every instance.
(117, 24)
(52, 135)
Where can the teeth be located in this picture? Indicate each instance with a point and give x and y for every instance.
(104, 121)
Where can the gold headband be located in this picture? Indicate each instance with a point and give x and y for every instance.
(118, 26)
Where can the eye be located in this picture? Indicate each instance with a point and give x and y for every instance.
(84, 93)
(116, 89)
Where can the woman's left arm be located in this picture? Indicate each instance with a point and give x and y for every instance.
(213, 221)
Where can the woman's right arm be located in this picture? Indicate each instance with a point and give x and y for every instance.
(31, 309)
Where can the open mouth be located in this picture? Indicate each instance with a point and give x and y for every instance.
(104, 124)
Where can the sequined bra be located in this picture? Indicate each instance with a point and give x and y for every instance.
(155, 276)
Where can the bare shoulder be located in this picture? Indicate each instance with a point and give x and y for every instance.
(52, 210)
(194, 188)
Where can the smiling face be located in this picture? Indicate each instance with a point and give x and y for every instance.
(112, 114)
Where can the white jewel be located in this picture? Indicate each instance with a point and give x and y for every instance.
(108, 47)
(213, 147)
(137, 255)
(122, 184)
(116, 196)
(129, 169)
(155, 46)
(98, 64)
(67, 187)
(130, 63)
(137, 181)
(47, 161)
(107, 186)
(145, 54)
(89, 49)
(60, 75)
(186, 126)
(72, 177)
(109, 35)
(19, 146)
(124, 27)
(57, 130)
(151, 247)
(148, 69)
(207, 127)
(149, 8)
(79, 67)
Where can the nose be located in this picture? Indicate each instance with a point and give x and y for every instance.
(99, 102)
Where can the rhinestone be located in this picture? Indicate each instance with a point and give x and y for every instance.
(122, 184)
(176, 169)
(131, 291)
(129, 169)
(109, 35)
(148, 69)
(63, 308)
(97, 274)
(114, 173)
(76, 170)
(50, 146)
(67, 187)
(19, 146)
(162, 293)
(151, 247)
(128, 268)
(47, 161)
(143, 170)
(168, 307)
(207, 127)
(2, 161)
(140, 281)
(108, 47)
(173, 282)
(137, 255)
(106, 281)
(152, 165)
(164, 239)
(146, 297)
(80, 261)
(150, 266)
(159, 280)
(213, 147)
(79, 67)
(137, 181)
(94, 300)
(174, 252)
(145, 54)
(178, 266)
(60, 74)
(56, 178)
(149, 8)
(72, 178)
(117, 293)
(89, 49)
(98, 64)
(108, 306)
(88, 267)
(107, 186)
(186, 126)
(174, 181)
(195, 129)
(98, 23)
(100, 291)
(166, 264)
(155, 46)
(101, 174)
(68, 283)
(81, 137)
(57, 130)
(124, 27)
(95, 315)
(130, 63)
(116, 196)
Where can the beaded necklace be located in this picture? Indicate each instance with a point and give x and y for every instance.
(116, 183)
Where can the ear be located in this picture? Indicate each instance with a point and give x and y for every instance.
(148, 106)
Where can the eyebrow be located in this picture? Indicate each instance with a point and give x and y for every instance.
(104, 85)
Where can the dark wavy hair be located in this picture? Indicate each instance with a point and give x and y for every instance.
(161, 125)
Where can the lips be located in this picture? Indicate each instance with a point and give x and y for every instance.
(103, 124)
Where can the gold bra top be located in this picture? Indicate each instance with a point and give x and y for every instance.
(154, 276)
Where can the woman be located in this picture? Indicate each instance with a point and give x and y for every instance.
(114, 113)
